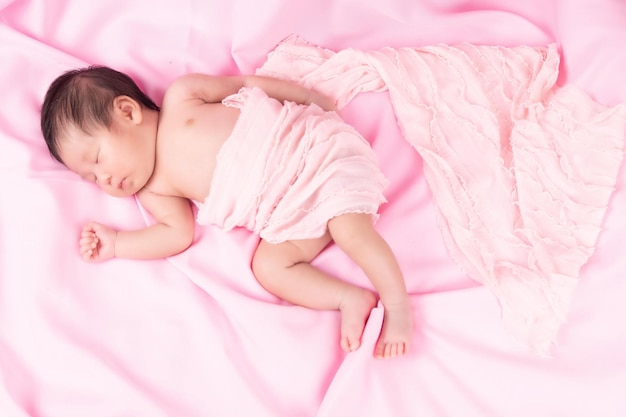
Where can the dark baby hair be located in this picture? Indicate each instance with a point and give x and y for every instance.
(84, 97)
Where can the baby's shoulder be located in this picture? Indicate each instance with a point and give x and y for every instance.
(179, 105)
(176, 94)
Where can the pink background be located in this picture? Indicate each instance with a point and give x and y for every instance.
(195, 335)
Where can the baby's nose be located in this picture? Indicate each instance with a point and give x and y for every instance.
(104, 179)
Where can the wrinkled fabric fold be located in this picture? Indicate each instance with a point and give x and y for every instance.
(521, 170)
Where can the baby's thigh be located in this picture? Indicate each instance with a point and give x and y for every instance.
(291, 252)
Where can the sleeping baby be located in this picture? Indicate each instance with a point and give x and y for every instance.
(249, 151)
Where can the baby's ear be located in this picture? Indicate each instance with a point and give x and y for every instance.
(128, 109)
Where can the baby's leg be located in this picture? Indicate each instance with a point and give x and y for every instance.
(284, 270)
(355, 234)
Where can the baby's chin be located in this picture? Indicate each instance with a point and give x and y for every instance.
(126, 191)
(120, 193)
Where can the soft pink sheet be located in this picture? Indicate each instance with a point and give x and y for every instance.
(195, 335)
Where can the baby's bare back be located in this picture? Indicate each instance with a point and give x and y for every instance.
(189, 138)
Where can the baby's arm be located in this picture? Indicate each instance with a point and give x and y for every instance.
(171, 234)
(284, 90)
(213, 89)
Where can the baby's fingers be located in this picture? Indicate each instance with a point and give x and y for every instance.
(88, 239)
(88, 255)
(88, 245)
(87, 231)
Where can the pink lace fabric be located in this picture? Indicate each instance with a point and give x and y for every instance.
(288, 169)
(521, 171)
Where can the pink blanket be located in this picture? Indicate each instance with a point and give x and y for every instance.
(195, 335)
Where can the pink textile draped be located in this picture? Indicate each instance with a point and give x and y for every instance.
(521, 170)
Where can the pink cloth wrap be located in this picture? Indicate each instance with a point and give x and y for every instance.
(521, 170)
(286, 170)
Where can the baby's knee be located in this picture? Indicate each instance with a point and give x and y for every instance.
(267, 264)
(351, 229)
(262, 265)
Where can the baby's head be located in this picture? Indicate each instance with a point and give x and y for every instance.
(100, 125)
(83, 98)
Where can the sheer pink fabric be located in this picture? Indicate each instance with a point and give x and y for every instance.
(521, 171)
(288, 169)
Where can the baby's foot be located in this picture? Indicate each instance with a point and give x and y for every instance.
(396, 332)
(355, 309)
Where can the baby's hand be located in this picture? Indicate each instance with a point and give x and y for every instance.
(97, 242)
